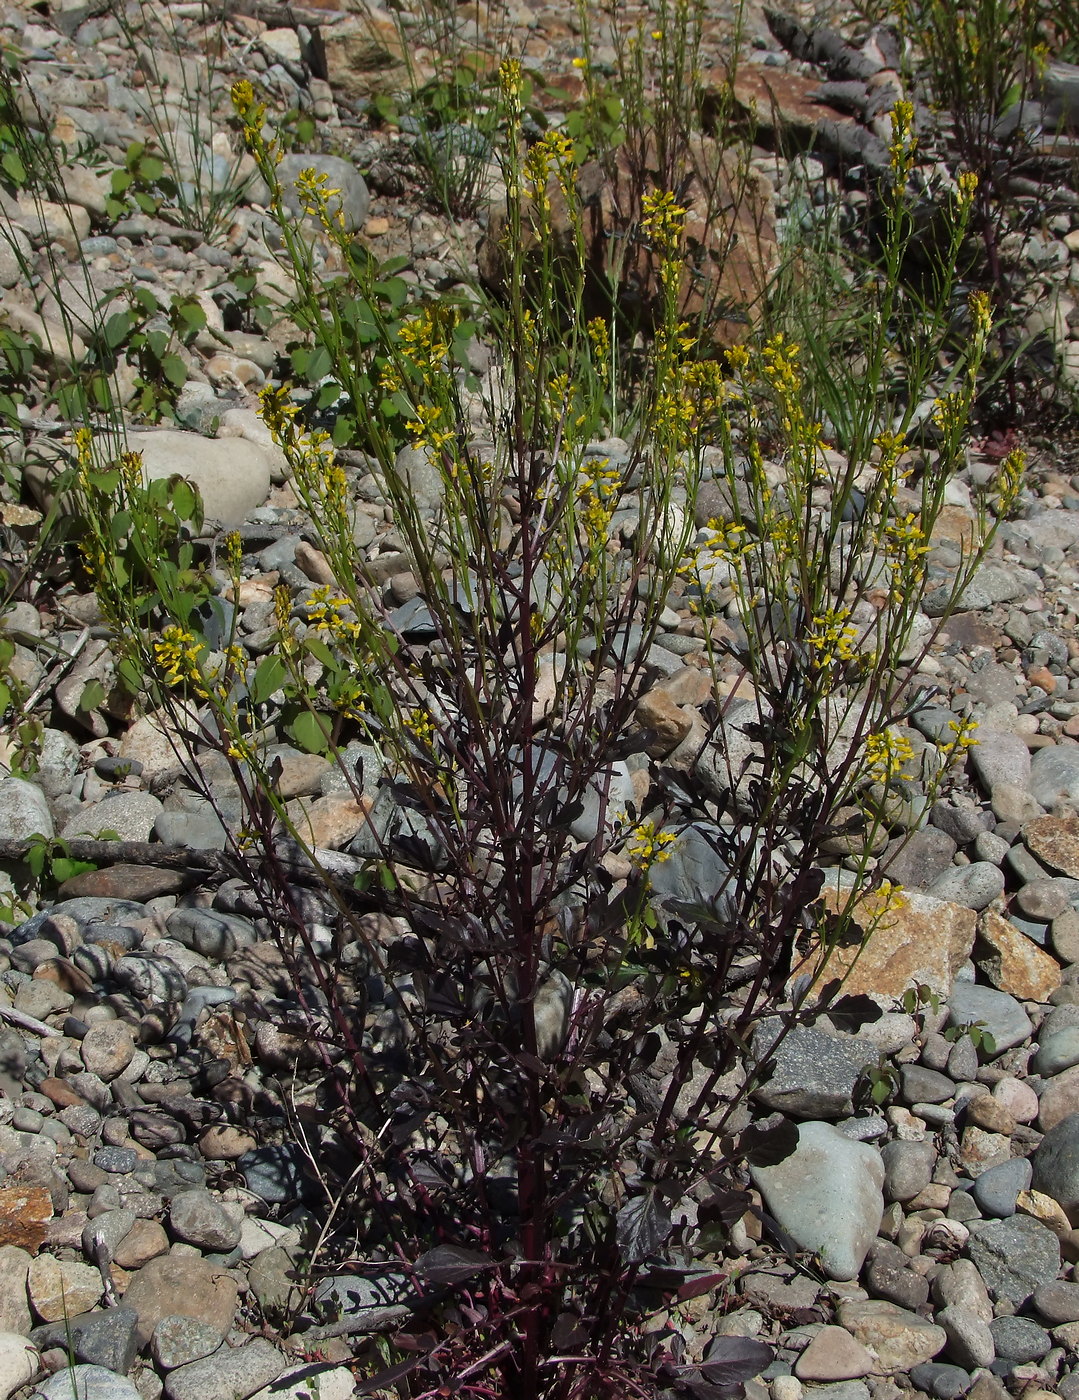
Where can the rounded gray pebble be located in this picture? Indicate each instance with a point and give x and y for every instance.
(996, 1190)
(1019, 1339)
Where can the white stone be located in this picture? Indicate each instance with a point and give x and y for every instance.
(310, 1383)
(23, 810)
(233, 475)
(18, 1362)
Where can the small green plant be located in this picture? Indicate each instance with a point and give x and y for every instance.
(916, 999)
(978, 1035)
(50, 862)
(181, 178)
(142, 184)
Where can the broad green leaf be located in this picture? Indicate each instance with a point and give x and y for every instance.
(93, 693)
(14, 168)
(268, 677)
(64, 868)
(174, 370)
(311, 732)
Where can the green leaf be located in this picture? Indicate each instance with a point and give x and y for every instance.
(268, 677)
(192, 314)
(130, 675)
(64, 868)
(14, 168)
(311, 732)
(151, 168)
(36, 854)
(319, 365)
(117, 328)
(174, 370)
(316, 647)
(93, 693)
(184, 498)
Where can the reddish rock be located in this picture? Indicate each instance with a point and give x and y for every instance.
(25, 1212)
(61, 1093)
(1013, 962)
(923, 943)
(1059, 1098)
(1055, 841)
(137, 882)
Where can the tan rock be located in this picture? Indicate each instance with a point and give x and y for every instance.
(1013, 962)
(145, 1240)
(224, 1142)
(658, 712)
(1059, 1098)
(25, 1212)
(183, 1284)
(922, 943)
(1045, 1209)
(62, 1287)
(980, 1150)
(1055, 841)
(331, 821)
(14, 1303)
(989, 1113)
(365, 56)
(833, 1355)
(899, 1339)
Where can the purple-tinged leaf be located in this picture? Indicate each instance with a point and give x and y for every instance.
(641, 1226)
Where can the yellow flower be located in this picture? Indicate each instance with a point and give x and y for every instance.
(965, 731)
(967, 182)
(178, 654)
(234, 552)
(903, 143)
(887, 754)
(663, 219)
(833, 638)
(648, 846)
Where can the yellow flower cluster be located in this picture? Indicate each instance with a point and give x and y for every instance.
(178, 653)
(315, 198)
(887, 755)
(965, 731)
(597, 497)
(421, 726)
(425, 339)
(905, 543)
(553, 155)
(429, 426)
(833, 638)
(509, 80)
(648, 846)
(327, 612)
(663, 219)
(727, 542)
(1009, 480)
(904, 143)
